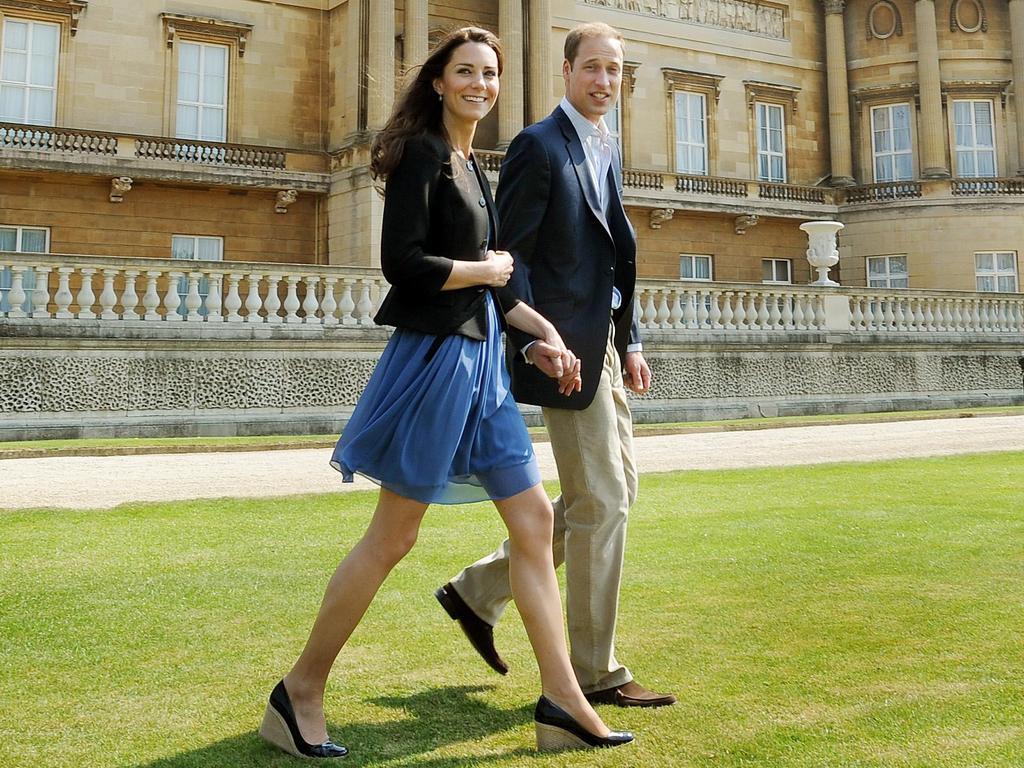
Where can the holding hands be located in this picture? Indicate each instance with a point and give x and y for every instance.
(552, 357)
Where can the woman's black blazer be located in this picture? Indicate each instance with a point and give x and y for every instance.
(436, 211)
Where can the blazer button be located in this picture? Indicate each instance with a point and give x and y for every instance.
(482, 202)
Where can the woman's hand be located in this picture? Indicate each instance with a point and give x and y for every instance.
(498, 268)
(552, 357)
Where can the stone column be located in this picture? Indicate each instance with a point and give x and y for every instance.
(380, 65)
(510, 105)
(932, 127)
(415, 39)
(1017, 52)
(838, 99)
(540, 59)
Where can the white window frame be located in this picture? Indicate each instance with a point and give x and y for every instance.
(29, 87)
(995, 272)
(28, 277)
(204, 283)
(762, 109)
(972, 149)
(691, 259)
(890, 276)
(682, 100)
(890, 156)
(774, 264)
(613, 122)
(203, 102)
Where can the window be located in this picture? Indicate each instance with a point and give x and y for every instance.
(996, 271)
(691, 133)
(195, 248)
(28, 72)
(771, 142)
(890, 143)
(888, 272)
(202, 91)
(21, 240)
(777, 271)
(694, 267)
(975, 138)
(613, 121)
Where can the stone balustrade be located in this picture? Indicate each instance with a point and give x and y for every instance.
(48, 287)
(44, 287)
(702, 307)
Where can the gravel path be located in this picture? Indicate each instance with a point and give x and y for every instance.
(104, 482)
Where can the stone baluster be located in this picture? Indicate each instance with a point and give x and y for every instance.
(172, 299)
(150, 297)
(774, 313)
(41, 293)
(661, 319)
(985, 316)
(63, 297)
(888, 318)
(650, 311)
(798, 313)
(291, 300)
(347, 306)
(702, 301)
(212, 305)
(899, 318)
(689, 308)
(675, 314)
(129, 298)
(233, 301)
(272, 304)
(727, 313)
(364, 307)
(715, 311)
(975, 310)
(16, 295)
(329, 305)
(929, 320)
(310, 304)
(193, 299)
(787, 312)
(856, 313)
(752, 313)
(739, 316)
(763, 315)
(86, 298)
(253, 300)
(917, 315)
(958, 315)
(108, 298)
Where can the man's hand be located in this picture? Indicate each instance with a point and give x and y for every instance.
(638, 373)
(558, 364)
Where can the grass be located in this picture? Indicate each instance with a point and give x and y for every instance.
(847, 616)
(114, 446)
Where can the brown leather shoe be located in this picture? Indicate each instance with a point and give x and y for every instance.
(631, 694)
(478, 631)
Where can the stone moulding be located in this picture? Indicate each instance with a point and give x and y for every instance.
(958, 12)
(875, 24)
(71, 9)
(231, 31)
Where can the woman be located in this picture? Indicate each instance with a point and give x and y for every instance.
(436, 423)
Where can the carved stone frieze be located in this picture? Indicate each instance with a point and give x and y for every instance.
(765, 19)
(285, 197)
(743, 222)
(119, 187)
(884, 21)
(235, 32)
(72, 9)
(659, 216)
(967, 16)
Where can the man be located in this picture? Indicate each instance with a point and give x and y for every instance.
(561, 217)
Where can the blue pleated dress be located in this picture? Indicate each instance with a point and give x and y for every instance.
(441, 428)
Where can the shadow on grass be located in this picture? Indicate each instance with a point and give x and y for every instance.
(431, 720)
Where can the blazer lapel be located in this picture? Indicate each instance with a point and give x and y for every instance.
(579, 163)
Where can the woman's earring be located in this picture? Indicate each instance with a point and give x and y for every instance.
(440, 97)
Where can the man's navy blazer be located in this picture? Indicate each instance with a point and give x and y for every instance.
(434, 214)
(568, 254)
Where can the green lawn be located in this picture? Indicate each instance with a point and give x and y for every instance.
(828, 616)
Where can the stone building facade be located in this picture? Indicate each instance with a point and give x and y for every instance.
(238, 130)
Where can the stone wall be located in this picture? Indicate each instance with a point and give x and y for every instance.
(81, 379)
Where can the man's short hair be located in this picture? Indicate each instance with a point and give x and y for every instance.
(587, 31)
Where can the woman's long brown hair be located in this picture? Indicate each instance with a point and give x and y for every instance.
(418, 109)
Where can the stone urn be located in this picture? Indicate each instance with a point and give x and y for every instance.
(822, 253)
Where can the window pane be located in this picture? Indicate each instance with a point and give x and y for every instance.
(40, 106)
(45, 39)
(16, 35)
(879, 120)
(897, 265)
(33, 240)
(965, 163)
(1006, 261)
(762, 167)
(188, 87)
(984, 261)
(188, 122)
(986, 164)
(15, 67)
(983, 112)
(8, 239)
(767, 270)
(876, 266)
(703, 268)
(213, 124)
(882, 142)
(188, 58)
(777, 173)
(209, 249)
(904, 167)
(44, 70)
(183, 247)
(213, 90)
(962, 111)
(775, 118)
(986, 283)
(12, 103)
(215, 60)
(1007, 284)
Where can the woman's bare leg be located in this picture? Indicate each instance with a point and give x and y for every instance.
(389, 537)
(530, 520)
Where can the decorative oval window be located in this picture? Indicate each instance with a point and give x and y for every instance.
(883, 19)
(968, 15)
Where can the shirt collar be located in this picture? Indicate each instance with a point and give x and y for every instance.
(584, 128)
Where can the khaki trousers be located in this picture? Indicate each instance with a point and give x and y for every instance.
(593, 451)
